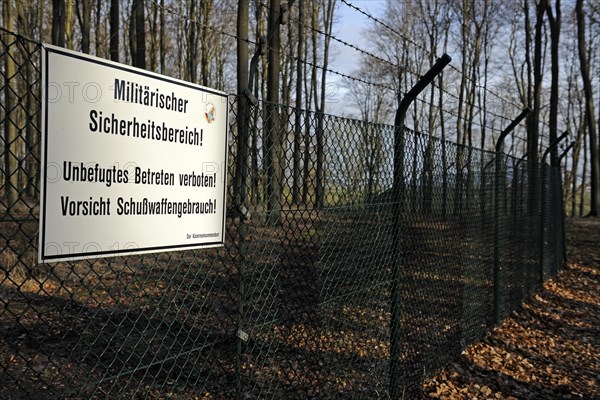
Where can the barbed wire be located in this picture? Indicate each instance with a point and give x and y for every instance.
(542, 136)
(425, 50)
(358, 49)
(344, 43)
(210, 27)
(343, 75)
(456, 97)
(387, 26)
(485, 88)
(250, 41)
(311, 64)
(457, 116)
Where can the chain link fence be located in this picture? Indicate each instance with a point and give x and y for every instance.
(298, 303)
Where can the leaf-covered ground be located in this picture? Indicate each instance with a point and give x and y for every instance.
(549, 348)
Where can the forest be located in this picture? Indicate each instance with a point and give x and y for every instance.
(507, 56)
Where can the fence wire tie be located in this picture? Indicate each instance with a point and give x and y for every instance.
(243, 336)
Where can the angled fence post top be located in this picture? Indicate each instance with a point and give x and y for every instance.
(510, 128)
(425, 80)
(566, 151)
(520, 160)
(554, 144)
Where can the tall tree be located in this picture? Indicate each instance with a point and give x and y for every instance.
(313, 93)
(26, 24)
(84, 16)
(69, 23)
(114, 29)
(98, 27)
(259, 90)
(327, 12)
(575, 121)
(441, 98)
(434, 16)
(240, 182)
(589, 109)
(137, 34)
(58, 22)
(273, 139)
(306, 156)
(533, 119)
(297, 174)
(154, 37)
(10, 128)
(192, 42)
(206, 47)
(554, 19)
(162, 43)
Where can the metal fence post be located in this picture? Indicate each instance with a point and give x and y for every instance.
(395, 300)
(517, 189)
(245, 99)
(562, 206)
(543, 201)
(499, 200)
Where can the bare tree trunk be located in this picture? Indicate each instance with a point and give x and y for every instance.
(574, 167)
(182, 37)
(575, 122)
(483, 105)
(140, 35)
(137, 34)
(192, 56)
(460, 119)
(257, 174)
(584, 176)
(273, 139)
(205, 45)
(533, 119)
(98, 49)
(10, 129)
(432, 26)
(555, 22)
(288, 64)
(328, 9)
(40, 22)
(314, 97)
(308, 100)
(114, 30)
(58, 22)
(162, 37)
(31, 153)
(589, 110)
(153, 56)
(240, 182)
(296, 185)
(443, 131)
(84, 15)
(265, 110)
(69, 23)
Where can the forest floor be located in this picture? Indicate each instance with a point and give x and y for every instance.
(549, 348)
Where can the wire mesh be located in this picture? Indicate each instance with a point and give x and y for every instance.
(298, 302)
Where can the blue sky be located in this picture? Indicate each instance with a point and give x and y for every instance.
(350, 26)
